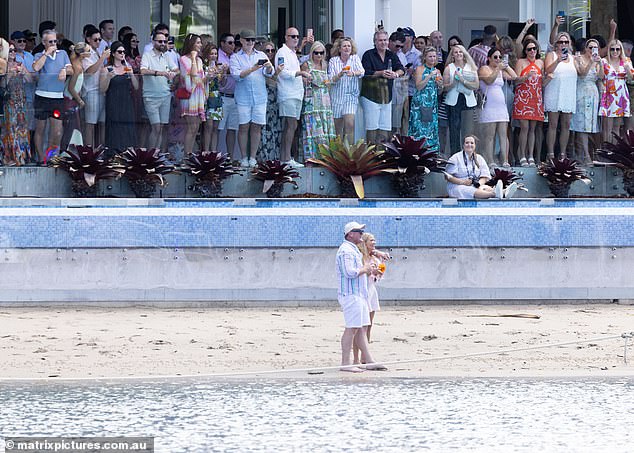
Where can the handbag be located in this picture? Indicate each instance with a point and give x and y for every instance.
(182, 93)
(481, 98)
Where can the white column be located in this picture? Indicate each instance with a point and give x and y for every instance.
(359, 21)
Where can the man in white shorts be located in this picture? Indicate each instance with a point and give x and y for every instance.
(248, 68)
(290, 92)
(381, 66)
(353, 298)
(158, 73)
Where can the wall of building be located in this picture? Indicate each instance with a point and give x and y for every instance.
(460, 17)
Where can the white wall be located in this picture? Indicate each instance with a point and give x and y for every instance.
(459, 17)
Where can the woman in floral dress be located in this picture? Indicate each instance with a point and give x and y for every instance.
(15, 132)
(215, 73)
(423, 117)
(272, 131)
(318, 124)
(193, 110)
(615, 102)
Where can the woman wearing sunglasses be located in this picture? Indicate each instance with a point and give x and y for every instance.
(528, 104)
(318, 124)
(585, 120)
(494, 115)
(615, 101)
(560, 93)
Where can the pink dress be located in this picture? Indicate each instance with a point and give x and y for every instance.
(494, 110)
(615, 102)
(195, 84)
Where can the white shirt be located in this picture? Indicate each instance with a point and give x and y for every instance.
(91, 81)
(289, 86)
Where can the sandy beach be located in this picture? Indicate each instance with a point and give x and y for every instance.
(94, 342)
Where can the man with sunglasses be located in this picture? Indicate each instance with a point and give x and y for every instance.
(53, 67)
(227, 88)
(290, 92)
(25, 58)
(30, 40)
(352, 294)
(158, 72)
(94, 110)
(399, 100)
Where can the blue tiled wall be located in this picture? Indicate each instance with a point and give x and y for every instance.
(428, 223)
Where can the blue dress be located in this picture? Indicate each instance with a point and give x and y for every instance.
(427, 99)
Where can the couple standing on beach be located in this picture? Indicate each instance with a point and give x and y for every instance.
(353, 297)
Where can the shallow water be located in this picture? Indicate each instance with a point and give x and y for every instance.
(520, 415)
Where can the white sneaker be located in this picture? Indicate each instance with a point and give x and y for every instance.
(244, 163)
(252, 162)
(294, 164)
(510, 190)
(499, 189)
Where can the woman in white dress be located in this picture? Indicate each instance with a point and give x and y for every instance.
(560, 93)
(465, 170)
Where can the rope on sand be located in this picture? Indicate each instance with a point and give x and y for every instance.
(319, 370)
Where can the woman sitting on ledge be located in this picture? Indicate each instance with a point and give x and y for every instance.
(467, 174)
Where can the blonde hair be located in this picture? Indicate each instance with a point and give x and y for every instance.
(467, 58)
(622, 54)
(363, 248)
(4, 49)
(336, 48)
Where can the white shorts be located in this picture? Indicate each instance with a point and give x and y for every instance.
(355, 311)
(158, 109)
(95, 109)
(291, 108)
(230, 119)
(252, 114)
(345, 106)
(376, 116)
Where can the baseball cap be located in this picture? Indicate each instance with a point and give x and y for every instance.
(18, 35)
(408, 31)
(352, 226)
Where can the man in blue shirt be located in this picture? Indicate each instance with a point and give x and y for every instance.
(248, 68)
(53, 66)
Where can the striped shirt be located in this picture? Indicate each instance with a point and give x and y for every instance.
(350, 86)
(349, 263)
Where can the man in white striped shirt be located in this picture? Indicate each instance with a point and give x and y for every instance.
(352, 296)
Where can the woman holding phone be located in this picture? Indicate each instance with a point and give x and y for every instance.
(15, 131)
(560, 93)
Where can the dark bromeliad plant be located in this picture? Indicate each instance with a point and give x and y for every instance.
(561, 174)
(409, 160)
(210, 168)
(507, 176)
(144, 169)
(86, 165)
(351, 164)
(274, 174)
(621, 155)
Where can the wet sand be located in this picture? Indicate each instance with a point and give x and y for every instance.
(93, 342)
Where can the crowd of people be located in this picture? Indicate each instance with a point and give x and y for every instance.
(282, 103)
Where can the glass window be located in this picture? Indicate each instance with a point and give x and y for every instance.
(192, 16)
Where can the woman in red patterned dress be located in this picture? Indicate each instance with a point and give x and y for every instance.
(528, 106)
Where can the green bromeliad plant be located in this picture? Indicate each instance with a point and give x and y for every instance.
(351, 164)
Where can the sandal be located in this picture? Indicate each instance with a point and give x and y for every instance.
(531, 162)
(506, 165)
(523, 162)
